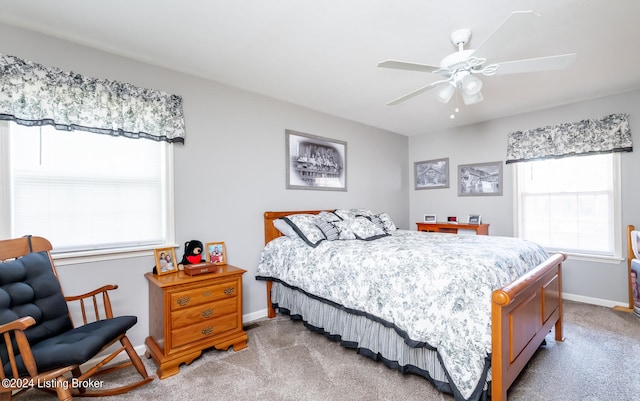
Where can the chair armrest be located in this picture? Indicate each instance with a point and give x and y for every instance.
(17, 328)
(18, 324)
(104, 306)
(97, 291)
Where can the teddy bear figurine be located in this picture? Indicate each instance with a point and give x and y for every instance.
(192, 253)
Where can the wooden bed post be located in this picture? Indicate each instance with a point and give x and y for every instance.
(630, 256)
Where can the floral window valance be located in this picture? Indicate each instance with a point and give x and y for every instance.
(32, 94)
(604, 135)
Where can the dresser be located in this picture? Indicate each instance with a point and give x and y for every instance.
(188, 314)
(452, 228)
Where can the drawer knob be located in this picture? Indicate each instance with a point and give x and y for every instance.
(183, 301)
(207, 313)
(229, 291)
(207, 330)
(206, 293)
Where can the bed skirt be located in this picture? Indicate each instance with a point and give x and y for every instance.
(369, 337)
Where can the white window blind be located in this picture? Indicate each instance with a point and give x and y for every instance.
(88, 192)
(570, 204)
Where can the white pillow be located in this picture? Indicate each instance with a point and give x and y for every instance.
(285, 229)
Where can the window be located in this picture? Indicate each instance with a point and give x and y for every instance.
(571, 204)
(85, 191)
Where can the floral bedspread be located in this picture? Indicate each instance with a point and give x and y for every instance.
(435, 287)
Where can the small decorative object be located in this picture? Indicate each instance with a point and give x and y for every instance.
(452, 219)
(192, 253)
(216, 253)
(480, 179)
(314, 162)
(165, 261)
(430, 218)
(474, 219)
(431, 174)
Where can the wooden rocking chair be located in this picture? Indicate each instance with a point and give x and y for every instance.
(39, 346)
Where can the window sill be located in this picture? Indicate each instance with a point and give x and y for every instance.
(592, 258)
(74, 258)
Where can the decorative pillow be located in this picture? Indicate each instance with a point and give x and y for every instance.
(348, 214)
(285, 228)
(383, 220)
(344, 230)
(388, 224)
(329, 229)
(365, 229)
(328, 216)
(305, 225)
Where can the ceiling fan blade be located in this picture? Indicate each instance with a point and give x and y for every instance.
(417, 92)
(534, 64)
(516, 23)
(405, 65)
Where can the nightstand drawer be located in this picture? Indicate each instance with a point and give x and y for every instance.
(200, 313)
(204, 330)
(188, 298)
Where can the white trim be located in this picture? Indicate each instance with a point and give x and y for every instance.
(5, 180)
(592, 301)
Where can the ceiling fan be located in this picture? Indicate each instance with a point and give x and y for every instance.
(459, 69)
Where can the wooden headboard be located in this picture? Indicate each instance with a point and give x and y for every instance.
(270, 232)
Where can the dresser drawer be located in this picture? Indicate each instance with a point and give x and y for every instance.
(204, 330)
(203, 312)
(209, 293)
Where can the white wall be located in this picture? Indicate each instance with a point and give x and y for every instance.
(601, 283)
(230, 170)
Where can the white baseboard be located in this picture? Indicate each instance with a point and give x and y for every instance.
(253, 316)
(590, 300)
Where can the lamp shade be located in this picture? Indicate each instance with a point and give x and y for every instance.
(471, 85)
(445, 94)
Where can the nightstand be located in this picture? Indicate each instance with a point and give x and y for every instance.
(188, 314)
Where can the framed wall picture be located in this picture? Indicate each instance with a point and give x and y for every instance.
(314, 162)
(430, 218)
(480, 179)
(216, 253)
(165, 261)
(431, 174)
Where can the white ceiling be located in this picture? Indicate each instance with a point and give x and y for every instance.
(323, 54)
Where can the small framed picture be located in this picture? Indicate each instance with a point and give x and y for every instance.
(216, 253)
(430, 218)
(165, 261)
(452, 219)
(474, 219)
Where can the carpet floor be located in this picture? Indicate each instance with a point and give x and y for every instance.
(284, 361)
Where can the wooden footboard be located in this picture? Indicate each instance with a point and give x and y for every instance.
(522, 314)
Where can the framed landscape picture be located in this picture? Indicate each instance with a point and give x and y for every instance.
(314, 162)
(480, 179)
(431, 174)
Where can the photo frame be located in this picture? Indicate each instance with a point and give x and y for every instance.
(431, 174)
(166, 261)
(474, 219)
(314, 162)
(480, 179)
(216, 253)
(430, 218)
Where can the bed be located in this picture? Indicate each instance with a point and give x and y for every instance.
(466, 347)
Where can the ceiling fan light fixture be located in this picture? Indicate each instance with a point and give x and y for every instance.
(471, 99)
(445, 94)
(471, 85)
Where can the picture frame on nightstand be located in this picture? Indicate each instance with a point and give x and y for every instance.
(474, 219)
(165, 261)
(430, 218)
(216, 253)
